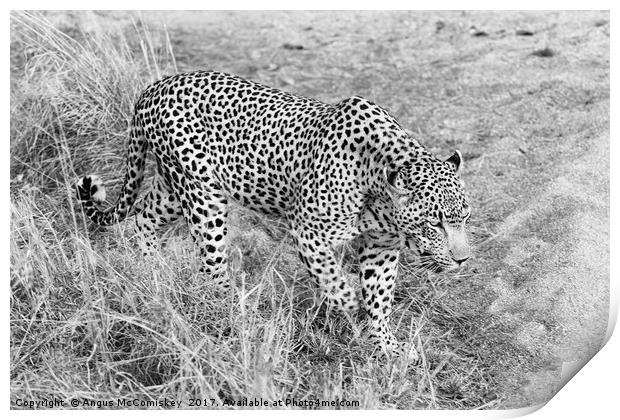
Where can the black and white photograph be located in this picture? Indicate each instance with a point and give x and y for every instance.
(306, 209)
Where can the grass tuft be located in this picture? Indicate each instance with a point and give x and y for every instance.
(75, 98)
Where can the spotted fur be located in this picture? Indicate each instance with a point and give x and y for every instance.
(334, 172)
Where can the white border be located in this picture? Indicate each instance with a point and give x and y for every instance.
(591, 393)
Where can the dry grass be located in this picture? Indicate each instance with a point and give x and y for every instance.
(91, 318)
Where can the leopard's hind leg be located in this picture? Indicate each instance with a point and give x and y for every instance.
(159, 207)
(204, 208)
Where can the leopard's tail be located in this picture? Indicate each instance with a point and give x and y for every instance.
(90, 190)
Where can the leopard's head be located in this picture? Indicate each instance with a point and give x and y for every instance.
(430, 209)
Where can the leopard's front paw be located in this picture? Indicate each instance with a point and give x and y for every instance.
(406, 352)
(221, 279)
(388, 345)
(342, 300)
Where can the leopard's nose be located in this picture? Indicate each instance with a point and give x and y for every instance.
(461, 261)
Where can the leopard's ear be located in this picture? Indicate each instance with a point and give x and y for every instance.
(390, 177)
(456, 162)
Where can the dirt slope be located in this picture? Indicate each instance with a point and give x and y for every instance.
(565, 264)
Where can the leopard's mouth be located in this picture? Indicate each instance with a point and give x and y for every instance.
(429, 262)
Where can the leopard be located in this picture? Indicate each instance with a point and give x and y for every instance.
(334, 172)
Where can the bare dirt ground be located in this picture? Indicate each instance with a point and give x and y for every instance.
(524, 96)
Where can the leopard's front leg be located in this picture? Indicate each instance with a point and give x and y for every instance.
(319, 258)
(378, 257)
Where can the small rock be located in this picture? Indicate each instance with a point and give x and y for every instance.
(545, 52)
(471, 155)
(524, 32)
(439, 25)
(288, 46)
(477, 32)
(287, 80)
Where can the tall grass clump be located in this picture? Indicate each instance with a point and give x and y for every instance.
(91, 318)
(72, 99)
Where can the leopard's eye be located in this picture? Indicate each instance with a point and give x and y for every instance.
(435, 224)
(467, 214)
